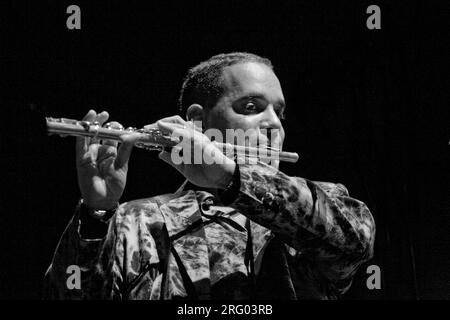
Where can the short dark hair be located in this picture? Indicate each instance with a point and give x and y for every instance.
(203, 83)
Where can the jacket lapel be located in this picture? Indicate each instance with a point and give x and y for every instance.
(184, 225)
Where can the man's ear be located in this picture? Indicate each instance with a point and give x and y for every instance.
(195, 112)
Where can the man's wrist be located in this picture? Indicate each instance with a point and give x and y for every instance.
(98, 214)
(228, 176)
(230, 192)
(100, 206)
(93, 223)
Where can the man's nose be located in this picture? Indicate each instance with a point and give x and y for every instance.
(270, 119)
(271, 127)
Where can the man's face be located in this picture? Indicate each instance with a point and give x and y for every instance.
(252, 99)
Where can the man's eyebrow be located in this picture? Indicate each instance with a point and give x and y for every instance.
(279, 103)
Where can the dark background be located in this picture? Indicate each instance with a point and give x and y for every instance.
(367, 108)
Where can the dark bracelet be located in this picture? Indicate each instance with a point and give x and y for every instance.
(100, 215)
(230, 193)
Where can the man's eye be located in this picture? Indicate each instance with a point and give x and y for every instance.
(250, 106)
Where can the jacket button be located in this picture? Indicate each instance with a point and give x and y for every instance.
(206, 204)
(268, 198)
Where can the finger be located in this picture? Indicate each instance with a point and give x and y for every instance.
(124, 151)
(112, 125)
(90, 116)
(151, 126)
(176, 132)
(81, 144)
(169, 127)
(90, 156)
(105, 166)
(105, 152)
(188, 124)
(174, 119)
(165, 156)
(186, 136)
(92, 152)
(111, 143)
(193, 125)
(102, 117)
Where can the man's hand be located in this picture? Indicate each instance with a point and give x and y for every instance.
(102, 167)
(216, 172)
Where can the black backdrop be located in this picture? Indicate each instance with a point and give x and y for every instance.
(367, 108)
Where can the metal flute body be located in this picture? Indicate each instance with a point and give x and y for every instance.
(153, 139)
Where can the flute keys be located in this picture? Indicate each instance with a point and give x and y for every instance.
(153, 132)
(96, 126)
(115, 126)
(85, 124)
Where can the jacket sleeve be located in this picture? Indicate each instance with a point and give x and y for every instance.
(81, 267)
(319, 220)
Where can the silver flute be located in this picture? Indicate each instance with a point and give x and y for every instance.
(154, 139)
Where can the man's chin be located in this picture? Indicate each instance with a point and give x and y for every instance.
(275, 164)
(271, 162)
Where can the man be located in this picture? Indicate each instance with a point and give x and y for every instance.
(232, 231)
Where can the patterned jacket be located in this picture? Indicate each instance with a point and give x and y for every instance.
(281, 238)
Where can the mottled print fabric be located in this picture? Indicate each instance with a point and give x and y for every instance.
(282, 238)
